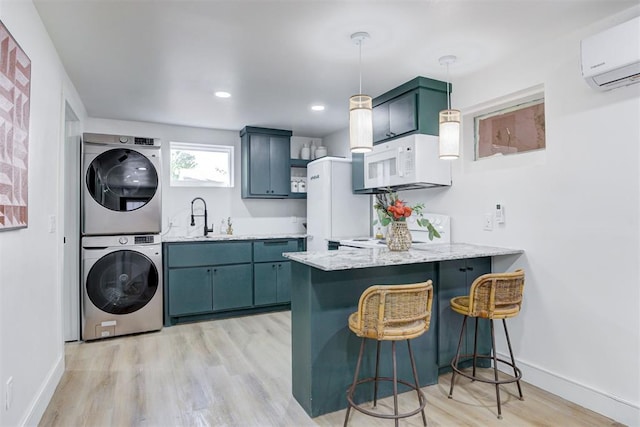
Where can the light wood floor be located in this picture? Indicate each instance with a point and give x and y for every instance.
(237, 372)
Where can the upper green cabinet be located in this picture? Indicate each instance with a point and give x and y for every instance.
(395, 117)
(266, 167)
(410, 108)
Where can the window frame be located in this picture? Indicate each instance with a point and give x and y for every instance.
(202, 147)
(515, 104)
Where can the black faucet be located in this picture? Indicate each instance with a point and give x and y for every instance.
(193, 217)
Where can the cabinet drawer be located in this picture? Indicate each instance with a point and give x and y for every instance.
(271, 250)
(197, 254)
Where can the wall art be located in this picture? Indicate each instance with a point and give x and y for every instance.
(15, 96)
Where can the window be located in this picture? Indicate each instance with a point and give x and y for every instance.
(514, 129)
(201, 165)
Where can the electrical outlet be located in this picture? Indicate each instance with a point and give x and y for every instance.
(488, 222)
(8, 394)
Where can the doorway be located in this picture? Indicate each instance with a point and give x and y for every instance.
(71, 232)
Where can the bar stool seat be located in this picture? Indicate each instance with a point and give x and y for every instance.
(492, 296)
(391, 313)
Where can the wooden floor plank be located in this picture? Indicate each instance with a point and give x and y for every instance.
(237, 372)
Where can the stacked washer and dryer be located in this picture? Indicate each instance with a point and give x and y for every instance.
(121, 221)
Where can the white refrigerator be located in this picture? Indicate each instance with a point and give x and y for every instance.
(333, 211)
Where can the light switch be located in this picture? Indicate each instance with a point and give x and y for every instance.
(488, 222)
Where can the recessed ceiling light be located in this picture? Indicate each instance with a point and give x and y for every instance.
(317, 107)
(223, 94)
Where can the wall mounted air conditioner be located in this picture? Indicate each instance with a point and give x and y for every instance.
(611, 58)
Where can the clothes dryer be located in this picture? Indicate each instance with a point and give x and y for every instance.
(122, 285)
(121, 185)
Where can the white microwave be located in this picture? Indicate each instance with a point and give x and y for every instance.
(406, 163)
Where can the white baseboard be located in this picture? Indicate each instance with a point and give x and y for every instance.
(42, 398)
(620, 410)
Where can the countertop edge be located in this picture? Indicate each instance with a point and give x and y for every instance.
(382, 257)
(226, 238)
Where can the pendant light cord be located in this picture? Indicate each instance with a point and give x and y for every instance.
(360, 66)
(448, 92)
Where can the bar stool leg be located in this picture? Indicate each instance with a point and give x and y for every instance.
(495, 368)
(475, 347)
(395, 381)
(513, 360)
(376, 381)
(415, 377)
(454, 362)
(355, 380)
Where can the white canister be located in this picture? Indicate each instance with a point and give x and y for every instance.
(295, 186)
(305, 152)
(321, 151)
(302, 187)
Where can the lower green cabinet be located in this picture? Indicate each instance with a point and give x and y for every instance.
(205, 289)
(232, 287)
(190, 291)
(272, 283)
(206, 280)
(455, 279)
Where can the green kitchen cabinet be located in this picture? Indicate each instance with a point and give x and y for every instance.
(206, 277)
(395, 117)
(272, 272)
(197, 290)
(455, 279)
(232, 287)
(213, 279)
(266, 163)
(191, 291)
(272, 283)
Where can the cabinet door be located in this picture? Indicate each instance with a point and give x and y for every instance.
(279, 166)
(259, 167)
(265, 283)
(189, 290)
(284, 282)
(381, 122)
(455, 278)
(403, 116)
(232, 286)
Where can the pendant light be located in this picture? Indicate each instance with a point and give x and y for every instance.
(360, 110)
(449, 139)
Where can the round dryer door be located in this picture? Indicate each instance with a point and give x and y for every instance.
(122, 282)
(122, 180)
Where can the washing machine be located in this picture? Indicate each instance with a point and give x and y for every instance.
(121, 185)
(122, 285)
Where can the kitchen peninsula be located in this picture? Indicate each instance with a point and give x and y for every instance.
(325, 290)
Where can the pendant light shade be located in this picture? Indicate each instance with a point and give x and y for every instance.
(360, 124)
(449, 120)
(449, 140)
(360, 110)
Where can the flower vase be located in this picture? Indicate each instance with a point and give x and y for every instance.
(398, 236)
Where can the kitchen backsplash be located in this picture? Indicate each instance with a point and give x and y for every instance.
(180, 225)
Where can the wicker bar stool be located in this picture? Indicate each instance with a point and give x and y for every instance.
(492, 296)
(391, 313)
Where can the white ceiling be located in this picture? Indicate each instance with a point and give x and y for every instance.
(161, 61)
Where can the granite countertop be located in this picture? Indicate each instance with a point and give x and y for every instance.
(345, 259)
(227, 237)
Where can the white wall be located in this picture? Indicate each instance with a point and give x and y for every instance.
(338, 143)
(31, 344)
(249, 216)
(574, 209)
